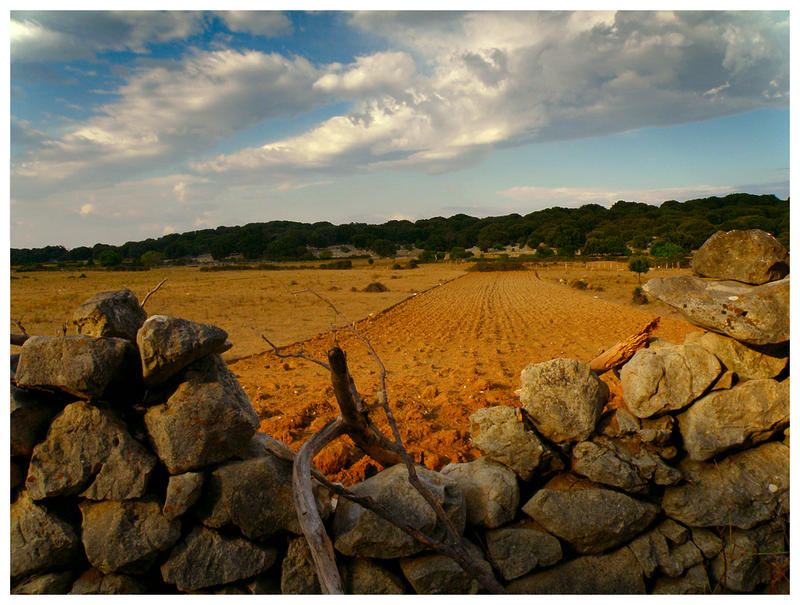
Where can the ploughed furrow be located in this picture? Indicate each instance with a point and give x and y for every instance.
(448, 351)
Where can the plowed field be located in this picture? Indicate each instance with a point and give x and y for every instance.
(448, 351)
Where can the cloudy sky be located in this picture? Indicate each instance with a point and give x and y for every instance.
(133, 125)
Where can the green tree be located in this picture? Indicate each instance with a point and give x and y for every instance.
(109, 258)
(325, 254)
(151, 258)
(457, 253)
(639, 265)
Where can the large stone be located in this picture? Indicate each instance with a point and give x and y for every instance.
(749, 413)
(752, 257)
(358, 532)
(518, 550)
(590, 518)
(116, 313)
(57, 582)
(365, 576)
(93, 581)
(563, 397)
(605, 464)
(439, 574)
(614, 573)
(298, 574)
(31, 414)
(752, 557)
(39, 539)
(756, 315)
(182, 492)
(167, 345)
(657, 553)
(667, 377)
(707, 541)
(490, 490)
(501, 435)
(207, 558)
(89, 450)
(694, 581)
(741, 490)
(747, 362)
(126, 537)
(207, 419)
(80, 365)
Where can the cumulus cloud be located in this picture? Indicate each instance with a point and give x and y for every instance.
(269, 24)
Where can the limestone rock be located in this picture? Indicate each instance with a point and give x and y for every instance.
(655, 552)
(365, 576)
(80, 365)
(591, 519)
(358, 532)
(614, 573)
(57, 582)
(752, 257)
(618, 422)
(500, 435)
(747, 362)
(126, 536)
(167, 345)
(89, 450)
(207, 419)
(749, 413)
(694, 581)
(750, 557)
(518, 550)
(667, 378)
(605, 465)
(298, 574)
(563, 397)
(182, 491)
(115, 313)
(756, 315)
(742, 490)
(439, 574)
(94, 582)
(39, 539)
(707, 541)
(31, 414)
(207, 558)
(490, 490)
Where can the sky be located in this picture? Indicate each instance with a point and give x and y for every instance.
(129, 125)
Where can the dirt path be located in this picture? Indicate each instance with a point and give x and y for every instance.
(448, 352)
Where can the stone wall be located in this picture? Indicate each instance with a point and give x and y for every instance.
(136, 465)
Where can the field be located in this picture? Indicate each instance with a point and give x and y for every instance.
(452, 341)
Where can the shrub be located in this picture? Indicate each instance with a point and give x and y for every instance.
(376, 286)
(639, 297)
(578, 284)
(506, 264)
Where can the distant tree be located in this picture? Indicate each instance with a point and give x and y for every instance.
(457, 253)
(544, 251)
(109, 258)
(325, 254)
(151, 258)
(639, 265)
(383, 247)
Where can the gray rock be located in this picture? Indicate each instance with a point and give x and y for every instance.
(31, 414)
(167, 345)
(667, 378)
(365, 576)
(358, 532)
(655, 552)
(126, 537)
(707, 541)
(591, 519)
(614, 573)
(115, 314)
(747, 362)
(502, 436)
(518, 550)
(439, 574)
(490, 490)
(657, 431)
(694, 581)
(742, 490)
(606, 465)
(749, 413)
(57, 582)
(756, 315)
(93, 581)
(298, 574)
(79, 365)
(206, 558)
(39, 539)
(207, 420)
(752, 257)
(618, 422)
(89, 450)
(751, 557)
(182, 491)
(563, 397)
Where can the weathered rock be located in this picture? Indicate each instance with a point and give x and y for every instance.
(618, 422)
(31, 414)
(591, 519)
(39, 539)
(126, 537)
(182, 491)
(749, 413)
(79, 365)
(206, 558)
(657, 431)
(603, 464)
(207, 419)
(707, 541)
(298, 574)
(756, 315)
(752, 557)
(614, 573)
(365, 576)
(747, 362)
(57, 582)
(742, 490)
(563, 397)
(667, 378)
(655, 552)
(518, 550)
(93, 581)
(115, 314)
(439, 574)
(502, 436)
(694, 581)
(358, 532)
(167, 345)
(725, 381)
(490, 490)
(89, 450)
(752, 257)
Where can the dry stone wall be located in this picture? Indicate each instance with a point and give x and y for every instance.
(136, 465)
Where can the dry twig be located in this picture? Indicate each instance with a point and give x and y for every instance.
(621, 352)
(153, 291)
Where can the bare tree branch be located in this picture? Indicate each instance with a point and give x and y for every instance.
(153, 291)
(299, 355)
(621, 352)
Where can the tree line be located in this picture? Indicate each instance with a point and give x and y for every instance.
(673, 229)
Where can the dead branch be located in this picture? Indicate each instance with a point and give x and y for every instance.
(153, 291)
(299, 355)
(621, 352)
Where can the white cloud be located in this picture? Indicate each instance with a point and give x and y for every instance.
(86, 209)
(270, 24)
(379, 73)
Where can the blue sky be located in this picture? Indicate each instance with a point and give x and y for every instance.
(133, 125)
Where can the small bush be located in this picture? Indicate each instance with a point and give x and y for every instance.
(413, 264)
(397, 266)
(578, 284)
(639, 297)
(376, 286)
(506, 264)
